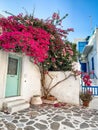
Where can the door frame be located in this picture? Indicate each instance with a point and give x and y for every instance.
(19, 76)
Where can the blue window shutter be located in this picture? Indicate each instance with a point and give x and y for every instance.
(92, 63)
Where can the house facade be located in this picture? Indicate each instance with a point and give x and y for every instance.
(19, 77)
(89, 54)
(81, 43)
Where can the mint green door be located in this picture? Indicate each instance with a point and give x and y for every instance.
(13, 76)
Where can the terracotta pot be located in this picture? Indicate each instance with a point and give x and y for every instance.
(52, 98)
(86, 103)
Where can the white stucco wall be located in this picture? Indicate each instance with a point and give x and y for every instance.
(89, 58)
(67, 91)
(94, 53)
(97, 39)
(29, 79)
(3, 72)
(96, 65)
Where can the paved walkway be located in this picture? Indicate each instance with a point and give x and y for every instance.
(48, 117)
(94, 103)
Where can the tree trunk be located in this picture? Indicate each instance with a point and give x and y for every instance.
(44, 89)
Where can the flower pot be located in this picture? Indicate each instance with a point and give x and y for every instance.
(36, 100)
(86, 103)
(52, 98)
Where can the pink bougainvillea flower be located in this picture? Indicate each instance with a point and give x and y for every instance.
(53, 59)
(55, 16)
(70, 30)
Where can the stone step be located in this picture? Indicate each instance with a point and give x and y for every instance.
(14, 102)
(13, 98)
(18, 107)
(15, 105)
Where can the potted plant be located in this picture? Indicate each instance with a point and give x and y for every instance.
(86, 97)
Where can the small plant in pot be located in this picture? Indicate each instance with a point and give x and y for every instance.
(86, 97)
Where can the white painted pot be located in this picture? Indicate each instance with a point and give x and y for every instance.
(36, 100)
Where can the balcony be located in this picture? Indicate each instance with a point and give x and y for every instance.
(87, 49)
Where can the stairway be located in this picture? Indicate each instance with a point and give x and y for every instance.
(15, 105)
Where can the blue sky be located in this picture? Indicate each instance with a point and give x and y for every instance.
(83, 16)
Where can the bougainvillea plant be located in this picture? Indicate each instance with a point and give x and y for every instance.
(43, 40)
(86, 79)
(19, 37)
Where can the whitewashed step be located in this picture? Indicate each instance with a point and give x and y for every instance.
(14, 102)
(12, 98)
(18, 107)
(15, 105)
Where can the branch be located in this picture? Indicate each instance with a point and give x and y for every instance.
(50, 81)
(9, 13)
(60, 82)
(50, 76)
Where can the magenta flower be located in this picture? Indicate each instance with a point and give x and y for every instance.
(55, 16)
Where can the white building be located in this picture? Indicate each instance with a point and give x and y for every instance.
(90, 53)
(20, 80)
(19, 77)
(89, 62)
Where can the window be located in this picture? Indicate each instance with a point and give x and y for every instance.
(12, 66)
(92, 63)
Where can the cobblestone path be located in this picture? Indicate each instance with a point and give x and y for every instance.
(48, 117)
